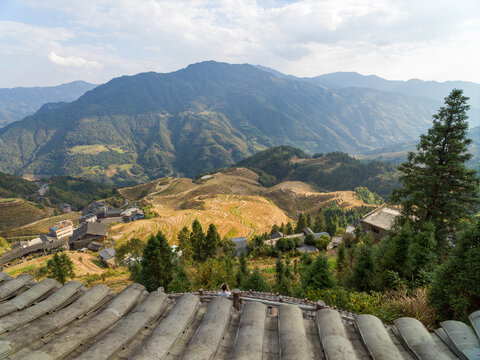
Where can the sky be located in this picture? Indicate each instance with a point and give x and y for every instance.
(49, 42)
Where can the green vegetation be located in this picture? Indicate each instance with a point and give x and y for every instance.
(362, 193)
(157, 266)
(12, 186)
(60, 268)
(328, 172)
(207, 116)
(437, 186)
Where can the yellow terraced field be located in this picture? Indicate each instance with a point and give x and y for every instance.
(233, 200)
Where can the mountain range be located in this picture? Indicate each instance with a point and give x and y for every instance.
(206, 116)
(433, 90)
(16, 103)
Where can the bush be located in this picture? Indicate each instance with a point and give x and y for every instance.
(322, 242)
(309, 240)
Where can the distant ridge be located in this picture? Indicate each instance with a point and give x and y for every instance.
(433, 90)
(18, 102)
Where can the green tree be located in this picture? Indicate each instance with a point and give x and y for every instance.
(309, 220)
(184, 243)
(364, 271)
(197, 239)
(318, 274)
(180, 282)
(394, 254)
(320, 223)
(289, 228)
(133, 246)
(455, 291)
(322, 242)
(60, 268)
(436, 184)
(301, 223)
(275, 229)
(332, 226)
(157, 266)
(212, 241)
(422, 254)
(256, 281)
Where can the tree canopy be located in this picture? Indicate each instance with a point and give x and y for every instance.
(436, 184)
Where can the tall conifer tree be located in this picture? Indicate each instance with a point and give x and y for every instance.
(437, 186)
(157, 263)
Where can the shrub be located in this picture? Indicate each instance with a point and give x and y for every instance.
(322, 242)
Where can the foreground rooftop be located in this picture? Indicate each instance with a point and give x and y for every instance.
(46, 321)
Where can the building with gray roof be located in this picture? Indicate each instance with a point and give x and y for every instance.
(241, 244)
(86, 233)
(379, 221)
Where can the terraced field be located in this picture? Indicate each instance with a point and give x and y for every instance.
(232, 199)
(41, 226)
(19, 212)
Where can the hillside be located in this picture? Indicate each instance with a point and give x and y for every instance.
(18, 212)
(433, 90)
(232, 199)
(328, 172)
(59, 190)
(206, 116)
(19, 102)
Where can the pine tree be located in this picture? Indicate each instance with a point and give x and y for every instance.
(242, 264)
(275, 229)
(332, 226)
(318, 274)
(256, 281)
(301, 223)
(60, 268)
(180, 282)
(437, 186)
(422, 254)
(363, 276)
(394, 254)
(157, 263)
(184, 243)
(212, 241)
(320, 223)
(197, 239)
(289, 228)
(455, 291)
(309, 221)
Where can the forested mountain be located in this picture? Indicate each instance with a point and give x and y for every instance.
(206, 116)
(16, 103)
(433, 90)
(328, 172)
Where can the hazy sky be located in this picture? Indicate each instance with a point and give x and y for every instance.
(48, 42)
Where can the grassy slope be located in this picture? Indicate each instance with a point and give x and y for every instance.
(233, 200)
(18, 212)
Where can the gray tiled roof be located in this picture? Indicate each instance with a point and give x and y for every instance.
(48, 321)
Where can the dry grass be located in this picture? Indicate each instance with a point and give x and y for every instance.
(41, 226)
(415, 305)
(18, 212)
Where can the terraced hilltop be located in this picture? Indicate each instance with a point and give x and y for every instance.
(232, 199)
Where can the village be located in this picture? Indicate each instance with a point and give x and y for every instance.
(92, 232)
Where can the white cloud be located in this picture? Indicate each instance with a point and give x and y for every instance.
(429, 39)
(73, 61)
